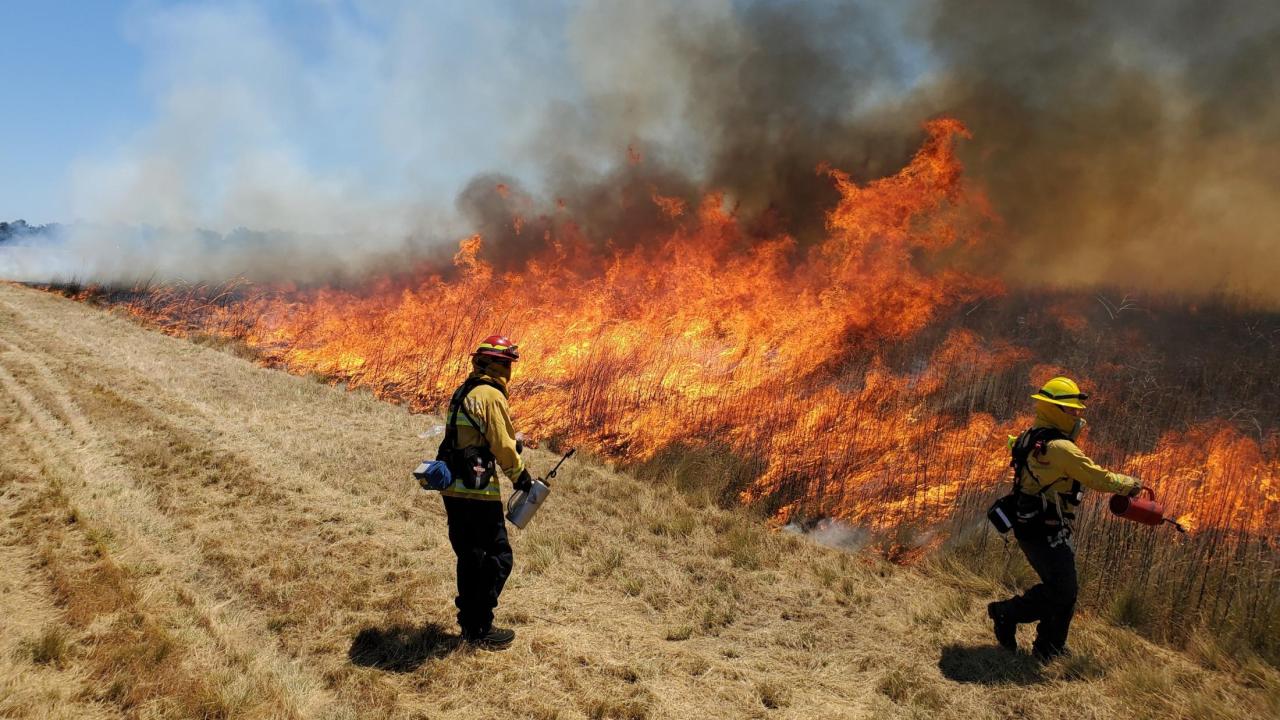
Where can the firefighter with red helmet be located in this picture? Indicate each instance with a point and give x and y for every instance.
(1050, 473)
(479, 439)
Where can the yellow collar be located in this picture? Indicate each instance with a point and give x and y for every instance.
(501, 382)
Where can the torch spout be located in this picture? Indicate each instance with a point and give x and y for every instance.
(1176, 524)
(556, 469)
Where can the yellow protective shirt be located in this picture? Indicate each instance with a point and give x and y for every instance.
(488, 406)
(1064, 462)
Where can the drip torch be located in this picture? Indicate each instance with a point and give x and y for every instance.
(523, 504)
(1142, 510)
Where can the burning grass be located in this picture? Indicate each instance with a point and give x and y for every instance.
(262, 528)
(856, 377)
(917, 446)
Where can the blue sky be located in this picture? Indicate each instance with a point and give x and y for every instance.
(338, 131)
(395, 98)
(329, 115)
(72, 83)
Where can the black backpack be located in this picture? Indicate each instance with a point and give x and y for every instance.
(1026, 509)
(474, 466)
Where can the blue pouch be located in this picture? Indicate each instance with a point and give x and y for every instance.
(433, 475)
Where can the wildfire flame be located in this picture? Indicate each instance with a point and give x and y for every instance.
(1216, 476)
(762, 350)
(1187, 522)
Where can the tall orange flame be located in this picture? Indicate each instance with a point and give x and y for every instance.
(759, 349)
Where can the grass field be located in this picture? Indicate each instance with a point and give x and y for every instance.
(188, 535)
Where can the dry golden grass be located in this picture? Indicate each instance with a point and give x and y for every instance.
(188, 535)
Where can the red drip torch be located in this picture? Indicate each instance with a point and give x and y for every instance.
(1142, 510)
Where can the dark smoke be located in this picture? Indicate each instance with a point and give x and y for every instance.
(793, 100)
(748, 101)
(1132, 145)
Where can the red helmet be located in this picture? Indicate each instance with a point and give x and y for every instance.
(499, 348)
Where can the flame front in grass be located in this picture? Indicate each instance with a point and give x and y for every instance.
(706, 333)
(836, 379)
(1217, 477)
(772, 357)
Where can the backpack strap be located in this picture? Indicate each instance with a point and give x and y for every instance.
(1032, 440)
(457, 404)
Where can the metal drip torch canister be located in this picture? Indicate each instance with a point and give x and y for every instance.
(523, 504)
(1141, 510)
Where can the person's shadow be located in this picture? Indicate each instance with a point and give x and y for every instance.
(988, 665)
(401, 648)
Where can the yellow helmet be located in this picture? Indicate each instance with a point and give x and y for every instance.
(1062, 391)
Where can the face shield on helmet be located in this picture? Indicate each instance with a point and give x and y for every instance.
(497, 347)
(1059, 402)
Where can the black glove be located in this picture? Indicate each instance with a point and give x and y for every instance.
(1136, 489)
(524, 482)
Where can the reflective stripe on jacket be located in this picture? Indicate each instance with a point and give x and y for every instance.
(488, 405)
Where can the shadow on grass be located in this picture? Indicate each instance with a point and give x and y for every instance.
(988, 665)
(400, 648)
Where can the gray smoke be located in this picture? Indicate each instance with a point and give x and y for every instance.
(1126, 144)
(313, 153)
(744, 98)
(833, 533)
(1132, 144)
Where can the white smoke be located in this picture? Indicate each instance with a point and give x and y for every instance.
(285, 152)
(834, 533)
(1129, 141)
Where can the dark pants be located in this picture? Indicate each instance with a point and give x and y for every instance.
(478, 534)
(1053, 601)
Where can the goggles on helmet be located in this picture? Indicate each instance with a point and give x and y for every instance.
(1069, 396)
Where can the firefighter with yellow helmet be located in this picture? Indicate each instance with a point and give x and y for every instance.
(479, 438)
(1050, 473)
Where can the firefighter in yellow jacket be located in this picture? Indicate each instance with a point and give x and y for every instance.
(479, 439)
(1050, 473)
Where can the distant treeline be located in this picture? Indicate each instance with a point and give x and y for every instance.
(19, 229)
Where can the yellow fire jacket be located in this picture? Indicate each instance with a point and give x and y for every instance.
(489, 407)
(1063, 462)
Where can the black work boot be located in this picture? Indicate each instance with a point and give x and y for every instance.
(494, 638)
(1006, 630)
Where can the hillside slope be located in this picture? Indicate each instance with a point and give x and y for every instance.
(185, 534)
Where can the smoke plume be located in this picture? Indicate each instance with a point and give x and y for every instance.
(1130, 145)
